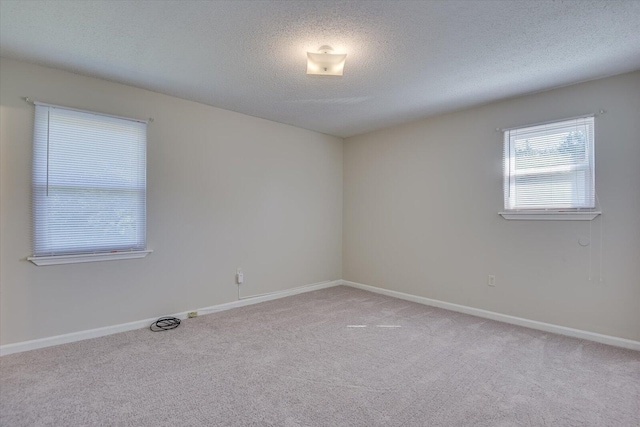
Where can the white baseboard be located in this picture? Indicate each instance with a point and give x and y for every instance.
(139, 324)
(533, 324)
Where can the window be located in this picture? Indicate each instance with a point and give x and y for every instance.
(549, 168)
(89, 186)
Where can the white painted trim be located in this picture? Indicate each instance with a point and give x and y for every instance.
(527, 323)
(139, 324)
(549, 216)
(72, 259)
(584, 116)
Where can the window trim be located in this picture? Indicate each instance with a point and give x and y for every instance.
(545, 213)
(82, 257)
(78, 258)
(542, 215)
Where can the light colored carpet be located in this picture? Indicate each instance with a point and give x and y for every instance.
(296, 362)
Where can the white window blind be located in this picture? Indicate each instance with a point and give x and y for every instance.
(550, 166)
(89, 182)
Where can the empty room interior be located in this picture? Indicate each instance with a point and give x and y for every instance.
(320, 213)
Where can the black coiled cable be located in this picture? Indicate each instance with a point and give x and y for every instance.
(165, 324)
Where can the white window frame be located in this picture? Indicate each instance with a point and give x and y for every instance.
(43, 260)
(559, 212)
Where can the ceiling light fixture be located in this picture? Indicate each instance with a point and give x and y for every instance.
(325, 62)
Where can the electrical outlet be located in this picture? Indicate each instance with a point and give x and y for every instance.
(491, 280)
(192, 314)
(239, 276)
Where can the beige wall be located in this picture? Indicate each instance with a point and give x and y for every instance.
(225, 190)
(421, 203)
(420, 212)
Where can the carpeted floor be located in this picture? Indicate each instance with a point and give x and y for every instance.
(299, 361)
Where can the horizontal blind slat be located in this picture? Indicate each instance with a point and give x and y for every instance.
(550, 166)
(89, 183)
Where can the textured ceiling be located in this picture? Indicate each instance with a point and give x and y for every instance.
(406, 60)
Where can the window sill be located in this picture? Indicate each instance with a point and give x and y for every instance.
(72, 259)
(549, 215)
